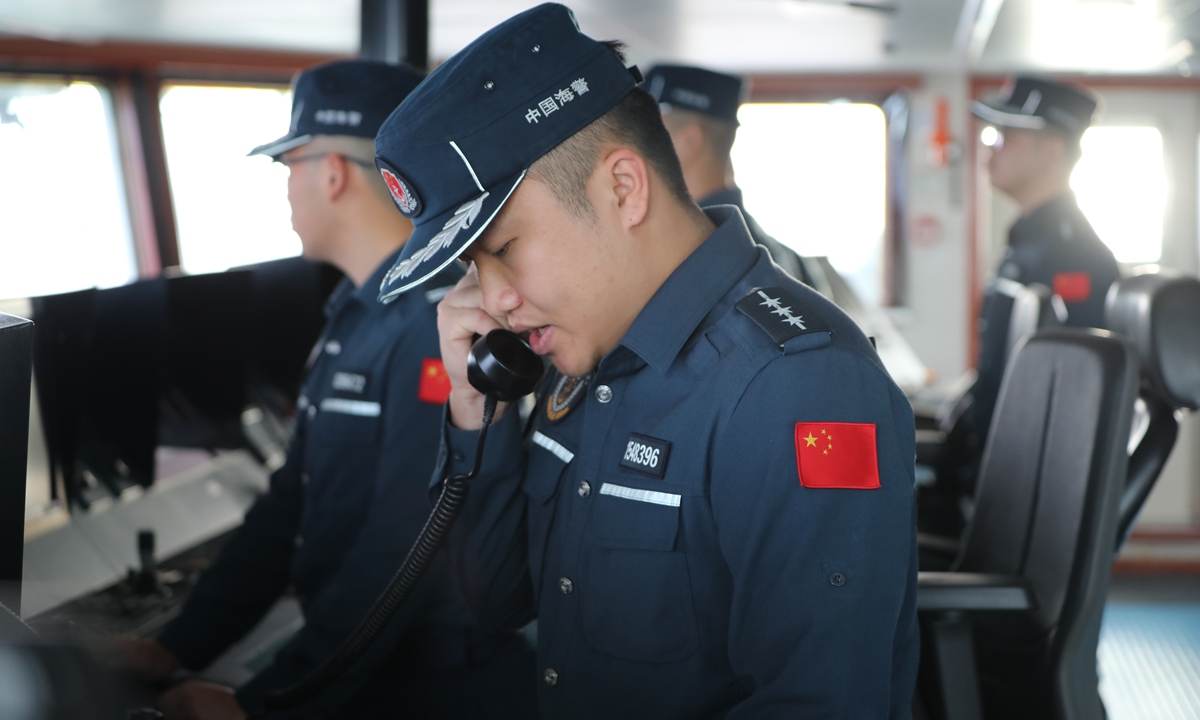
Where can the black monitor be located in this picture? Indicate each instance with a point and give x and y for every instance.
(16, 344)
(168, 362)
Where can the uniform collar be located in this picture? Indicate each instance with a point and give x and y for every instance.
(664, 325)
(1057, 207)
(365, 293)
(728, 196)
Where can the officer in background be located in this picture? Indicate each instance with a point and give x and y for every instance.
(342, 512)
(710, 513)
(1040, 124)
(699, 109)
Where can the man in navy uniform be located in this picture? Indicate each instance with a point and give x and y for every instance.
(711, 510)
(700, 112)
(342, 512)
(1040, 124)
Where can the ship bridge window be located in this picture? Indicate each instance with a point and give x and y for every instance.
(814, 176)
(230, 209)
(64, 222)
(1121, 185)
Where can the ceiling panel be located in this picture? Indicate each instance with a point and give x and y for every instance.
(742, 35)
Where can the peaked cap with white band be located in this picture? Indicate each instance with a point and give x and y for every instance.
(458, 146)
(1034, 104)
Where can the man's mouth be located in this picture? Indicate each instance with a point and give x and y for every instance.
(539, 338)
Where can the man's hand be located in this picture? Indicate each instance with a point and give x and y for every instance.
(197, 700)
(461, 318)
(144, 659)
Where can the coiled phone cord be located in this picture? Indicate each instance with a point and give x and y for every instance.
(437, 527)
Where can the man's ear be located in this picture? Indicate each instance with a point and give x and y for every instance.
(335, 179)
(625, 177)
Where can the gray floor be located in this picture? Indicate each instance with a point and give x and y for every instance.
(1150, 649)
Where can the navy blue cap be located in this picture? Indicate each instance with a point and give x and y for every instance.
(1034, 104)
(344, 97)
(457, 148)
(691, 88)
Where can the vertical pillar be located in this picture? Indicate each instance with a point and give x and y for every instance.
(395, 31)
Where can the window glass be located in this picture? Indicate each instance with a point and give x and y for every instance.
(64, 222)
(1121, 185)
(814, 176)
(230, 209)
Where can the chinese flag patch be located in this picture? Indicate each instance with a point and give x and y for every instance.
(837, 455)
(435, 383)
(1073, 286)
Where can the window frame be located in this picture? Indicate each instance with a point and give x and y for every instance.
(134, 75)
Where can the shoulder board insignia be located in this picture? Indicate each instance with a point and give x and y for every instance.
(780, 314)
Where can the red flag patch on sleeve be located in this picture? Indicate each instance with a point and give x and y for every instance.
(837, 455)
(1073, 286)
(435, 383)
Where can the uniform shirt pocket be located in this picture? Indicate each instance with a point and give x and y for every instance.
(637, 603)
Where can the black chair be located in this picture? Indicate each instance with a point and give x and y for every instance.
(952, 443)
(1012, 631)
(1160, 313)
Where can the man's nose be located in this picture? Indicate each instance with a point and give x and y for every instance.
(499, 298)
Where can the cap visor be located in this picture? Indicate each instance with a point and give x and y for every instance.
(278, 147)
(439, 241)
(1006, 118)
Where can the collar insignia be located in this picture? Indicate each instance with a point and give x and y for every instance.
(565, 396)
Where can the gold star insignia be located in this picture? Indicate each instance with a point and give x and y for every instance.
(822, 431)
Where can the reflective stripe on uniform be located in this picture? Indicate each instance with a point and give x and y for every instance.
(553, 446)
(647, 496)
(362, 408)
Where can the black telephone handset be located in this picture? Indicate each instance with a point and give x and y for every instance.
(502, 367)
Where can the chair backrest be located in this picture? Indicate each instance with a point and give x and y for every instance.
(1160, 313)
(1046, 504)
(1035, 307)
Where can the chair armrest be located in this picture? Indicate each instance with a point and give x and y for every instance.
(972, 591)
(940, 545)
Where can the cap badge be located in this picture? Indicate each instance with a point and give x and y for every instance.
(462, 218)
(405, 197)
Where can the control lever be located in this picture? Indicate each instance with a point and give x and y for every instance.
(145, 581)
(502, 367)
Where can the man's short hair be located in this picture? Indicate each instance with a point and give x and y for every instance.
(362, 150)
(718, 134)
(635, 122)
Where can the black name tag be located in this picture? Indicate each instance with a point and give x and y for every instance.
(350, 382)
(646, 455)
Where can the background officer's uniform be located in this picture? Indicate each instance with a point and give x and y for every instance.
(718, 96)
(341, 513)
(1053, 244)
(719, 521)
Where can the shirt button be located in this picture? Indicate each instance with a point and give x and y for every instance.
(604, 393)
(550, 677)
(458, 456)
(312, 411)
(565, 584)
(333, 347)
(837, 579)
(585, 489)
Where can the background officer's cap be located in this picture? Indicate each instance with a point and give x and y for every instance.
(345, 97)
(457, 148)
(1035, 104)
(691, 88)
